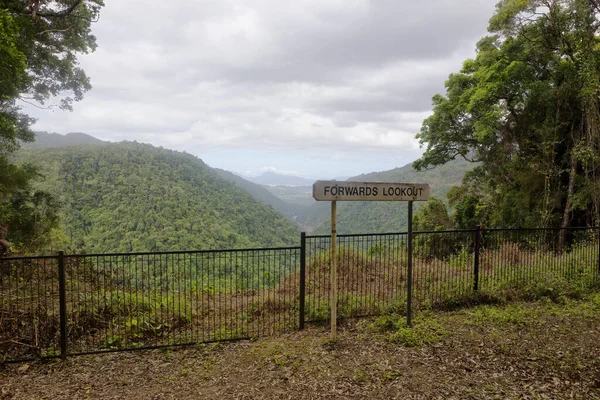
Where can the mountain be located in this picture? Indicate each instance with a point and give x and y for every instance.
(273, 178)
(122, 197)
(374, 217)
(440, 178)
(261, 193)
(45, 139)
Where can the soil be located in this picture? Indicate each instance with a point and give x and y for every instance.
(523, 351)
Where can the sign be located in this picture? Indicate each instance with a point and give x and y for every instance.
(369, 191)
(335, 191)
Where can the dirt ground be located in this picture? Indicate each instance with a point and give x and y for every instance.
(520, 351)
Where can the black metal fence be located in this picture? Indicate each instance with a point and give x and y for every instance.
(372, 272)
(63, 305)
(80, 304)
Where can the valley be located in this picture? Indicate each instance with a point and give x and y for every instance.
(135, 197)
(372, 217)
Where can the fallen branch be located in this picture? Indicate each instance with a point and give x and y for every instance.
(18, 343)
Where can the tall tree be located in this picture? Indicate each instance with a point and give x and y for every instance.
(527, 108)
(39, 43)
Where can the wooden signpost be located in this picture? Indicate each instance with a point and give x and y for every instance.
(335, 191)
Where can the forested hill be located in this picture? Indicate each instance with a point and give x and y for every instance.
(372, 217)
(136, 197)
(440, 178)
(260, 193)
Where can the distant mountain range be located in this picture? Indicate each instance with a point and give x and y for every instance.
(275, 179)
(45, 139)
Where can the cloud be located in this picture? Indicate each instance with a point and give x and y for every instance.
(308, 75)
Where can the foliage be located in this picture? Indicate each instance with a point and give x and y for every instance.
(433, 216)
(527, 108)
(39, 41)
(469, 209)
(520, 265)
(28, 217)
(134, 197)
(425, 330)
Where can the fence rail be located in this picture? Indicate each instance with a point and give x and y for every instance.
(60, 305)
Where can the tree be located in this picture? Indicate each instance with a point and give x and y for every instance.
(39, 43)
(469, 210)
(433, 216)
(527, 108)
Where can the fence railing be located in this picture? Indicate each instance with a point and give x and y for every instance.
(61, 305)
(79, 304)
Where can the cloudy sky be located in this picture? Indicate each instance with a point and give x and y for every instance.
(316, 88)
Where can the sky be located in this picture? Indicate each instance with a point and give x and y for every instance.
(314, 88)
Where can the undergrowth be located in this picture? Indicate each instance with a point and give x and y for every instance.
(107, 309)
(432, 327)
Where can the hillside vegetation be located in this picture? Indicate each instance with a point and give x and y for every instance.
(135, 197)
(260, 193)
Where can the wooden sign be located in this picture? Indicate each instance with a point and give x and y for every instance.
(370, 191)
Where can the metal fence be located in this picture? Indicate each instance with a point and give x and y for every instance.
(81, 304)
(449, 269)
(61, 305)
(372, 271)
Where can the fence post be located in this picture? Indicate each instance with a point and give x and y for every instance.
(599, 250)
(62, 298)
(409, 279)
(476, 260)
(302, 278)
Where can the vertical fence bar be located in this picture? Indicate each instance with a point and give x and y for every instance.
(410, 266)
(302, 278)
(333, 273)
(476, 259)
(599, 250)
(62, 298)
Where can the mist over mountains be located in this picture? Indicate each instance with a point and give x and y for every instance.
(275, 179)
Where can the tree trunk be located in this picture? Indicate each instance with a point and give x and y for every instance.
(569, 202)
(4, 247)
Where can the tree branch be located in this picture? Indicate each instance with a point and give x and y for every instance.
(59, 14)
(37, 106)
(55, 31)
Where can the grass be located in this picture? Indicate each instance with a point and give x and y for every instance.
(518, 350)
